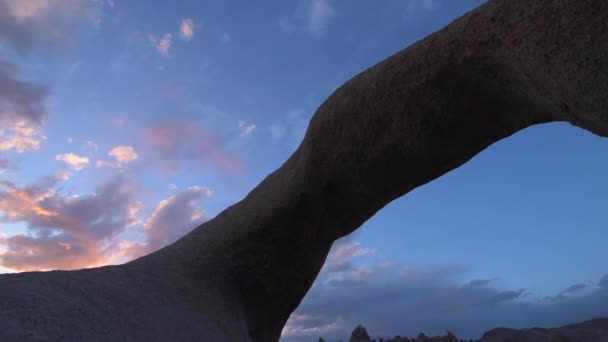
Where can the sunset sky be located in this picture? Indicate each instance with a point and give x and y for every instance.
(124, 124)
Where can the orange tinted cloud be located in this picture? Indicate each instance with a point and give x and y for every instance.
(64, 232)
(72, 232)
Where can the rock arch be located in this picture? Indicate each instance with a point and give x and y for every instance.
(409, 119)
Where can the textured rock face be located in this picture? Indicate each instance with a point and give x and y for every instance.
(400, 124)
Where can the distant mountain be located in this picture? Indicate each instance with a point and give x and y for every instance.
(595, 330)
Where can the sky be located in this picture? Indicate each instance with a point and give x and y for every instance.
(124, 124)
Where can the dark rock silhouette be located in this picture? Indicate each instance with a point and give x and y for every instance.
(590, 331)
(411, 118)
(595, 330)
(359, 335)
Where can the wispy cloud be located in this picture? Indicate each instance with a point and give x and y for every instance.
(225, 37)
(162, 44)
(320, 14)
(186, 29)
(414, 8)
(310, 16)
(246, 128)
(291, 126)
(176, 143)
(175, 216)
(170, 219)
(74, 161)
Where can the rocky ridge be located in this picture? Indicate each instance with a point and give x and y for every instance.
(595, 330)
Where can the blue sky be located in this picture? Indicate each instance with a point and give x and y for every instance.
(124, 124)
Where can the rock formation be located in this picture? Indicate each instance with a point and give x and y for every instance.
(359, 335)
(400, 124)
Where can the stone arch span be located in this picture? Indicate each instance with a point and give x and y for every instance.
(407, 120)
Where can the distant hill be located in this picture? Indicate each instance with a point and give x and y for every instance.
(595, 330)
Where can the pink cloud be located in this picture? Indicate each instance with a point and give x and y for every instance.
(170, 219)
(163, 44)
(74, 161)
(123, 154)
(175, 216)
(186, 29)
(178, 142)
(28, 253)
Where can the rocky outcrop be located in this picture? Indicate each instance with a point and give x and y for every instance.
(409, 119)
(359, 335)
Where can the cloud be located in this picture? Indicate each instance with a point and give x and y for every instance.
(171, 219)
(79, 231)
(292, 126)
(174, 217)
(310, 16)
(246, 128)
(575, 288)
(20, 100)
(604, 281)
(64, 232)
(186, 29)
(177, 142)
(392, 300)
(74, 161)
(5, 165)
(119, 122)
(22, 111)
(225, 37)
(19, 135)
(46, 24)
(122, 155)
(414, 8)
(162, 45)
(320, 15)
